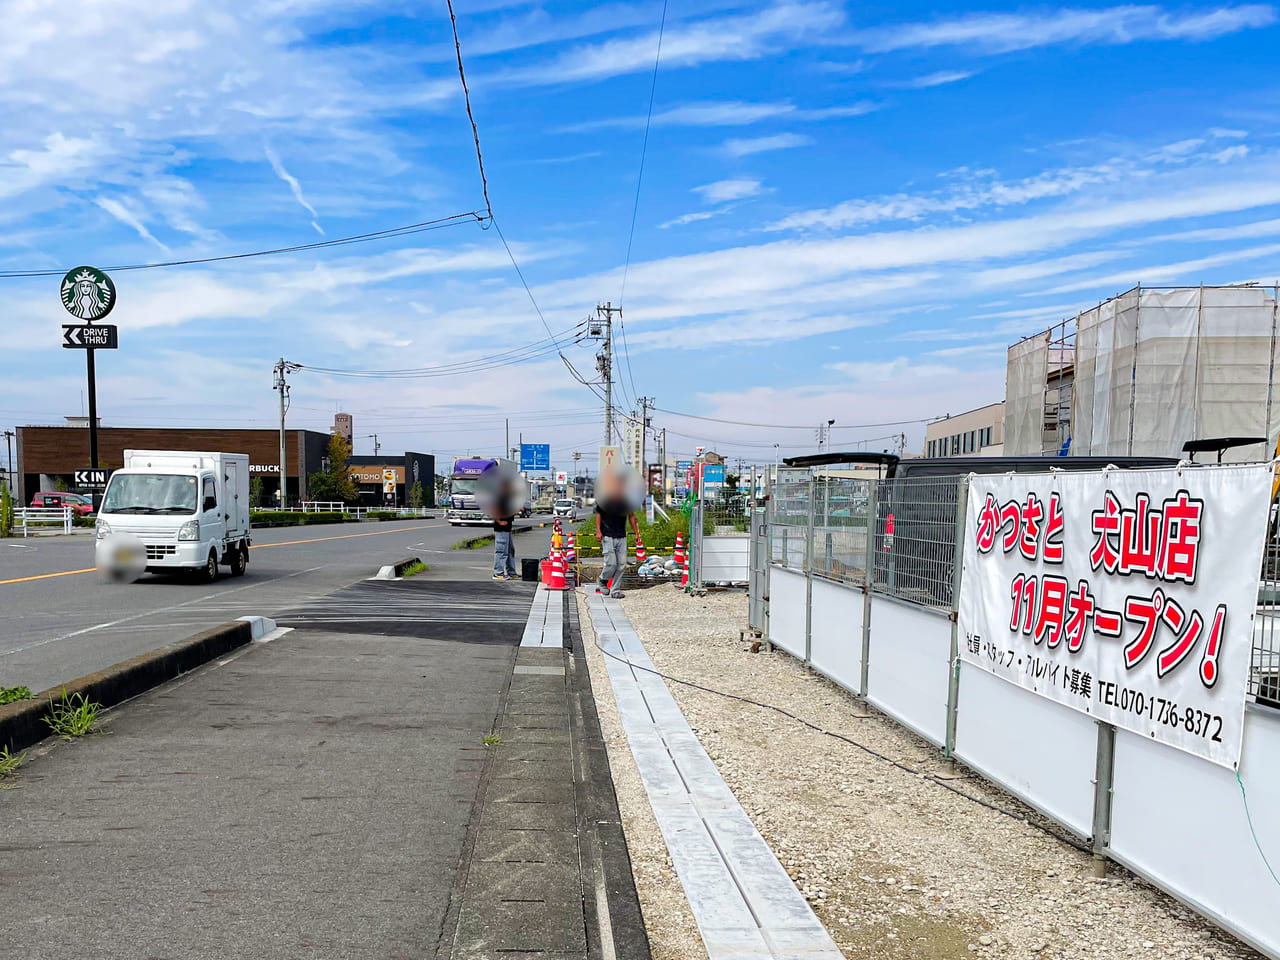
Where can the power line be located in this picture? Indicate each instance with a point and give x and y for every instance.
(466, 96)
(644, 149)
(473, 216)
(521, 354)
(793, 426)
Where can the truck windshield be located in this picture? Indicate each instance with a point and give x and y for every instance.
(463, 487)
(162, 493)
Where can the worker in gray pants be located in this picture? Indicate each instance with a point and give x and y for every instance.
(613, 513)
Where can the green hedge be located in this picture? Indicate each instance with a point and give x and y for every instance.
(283, 518)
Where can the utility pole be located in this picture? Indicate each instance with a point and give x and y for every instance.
(604, 362)
(281, 368)
(645, 404)
(662, 459)
(507, 426)
(376, 445)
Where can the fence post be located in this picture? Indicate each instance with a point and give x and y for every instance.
(808, 575)
(868, 579)
(957, 572)
(1102, 793)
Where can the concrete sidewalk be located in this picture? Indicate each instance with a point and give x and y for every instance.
(328, 795)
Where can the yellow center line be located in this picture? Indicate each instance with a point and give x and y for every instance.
(46, 576)
(256, 546)
(345, 536)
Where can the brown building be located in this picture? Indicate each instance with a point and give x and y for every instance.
(46, 455)
(343, 426)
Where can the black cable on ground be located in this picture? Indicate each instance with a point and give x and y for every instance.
(940, 781)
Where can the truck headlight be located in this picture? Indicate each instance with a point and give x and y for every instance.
(102, 530)
(189, 530)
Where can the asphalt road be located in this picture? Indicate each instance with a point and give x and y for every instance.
(59, 621)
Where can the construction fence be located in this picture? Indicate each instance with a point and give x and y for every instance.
(859, 579)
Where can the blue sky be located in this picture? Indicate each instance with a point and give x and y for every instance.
(847, 211)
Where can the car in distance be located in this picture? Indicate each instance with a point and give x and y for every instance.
(566, 508)
(83, 506)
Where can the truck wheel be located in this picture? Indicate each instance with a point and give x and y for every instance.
(239, 561)
(209, 573)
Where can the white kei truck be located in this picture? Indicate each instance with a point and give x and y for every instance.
(189, 510)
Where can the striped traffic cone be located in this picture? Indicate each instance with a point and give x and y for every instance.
(684, 579)
(571, 554)
(640, 554)
(678, 556)
(557, 571)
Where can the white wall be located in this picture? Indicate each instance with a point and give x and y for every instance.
(836, 647)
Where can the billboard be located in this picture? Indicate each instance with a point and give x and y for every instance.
(1126, 595)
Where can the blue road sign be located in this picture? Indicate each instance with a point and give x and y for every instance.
(684, 464)
(712, 473)
(535, 456)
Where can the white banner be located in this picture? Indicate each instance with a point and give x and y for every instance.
(1128, 595)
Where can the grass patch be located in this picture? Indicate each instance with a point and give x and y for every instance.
(413, 569)
(474, 543)
(14, 694)
(9, 762)
(73, 716)
(491, 740)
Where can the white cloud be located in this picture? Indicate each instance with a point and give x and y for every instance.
(938, 79)
(736, 37)
(294, 186)
(725, 113)
(723, 191)
(1180, 273)
(121, 211)
(1006, 32)
(1258, 228)
(862, 372)
(981, 190)
(694, 217)
(781, 141)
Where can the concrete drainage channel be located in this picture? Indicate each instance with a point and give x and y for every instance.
(23, 723)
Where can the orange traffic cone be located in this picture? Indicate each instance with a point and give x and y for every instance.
(684, 579)
(679, 554)
(640, 554)
(557, 571)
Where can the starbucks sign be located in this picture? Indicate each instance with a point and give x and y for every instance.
(88, 293)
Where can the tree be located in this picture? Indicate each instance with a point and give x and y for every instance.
(334, 482)
(417, 496)
(6, 511)
(255, 491)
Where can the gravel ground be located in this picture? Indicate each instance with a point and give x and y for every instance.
(896, 866)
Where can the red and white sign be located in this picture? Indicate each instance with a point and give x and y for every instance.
(1128, 595)
(888, 534)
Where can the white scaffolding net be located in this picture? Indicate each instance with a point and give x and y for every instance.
(1156, 367)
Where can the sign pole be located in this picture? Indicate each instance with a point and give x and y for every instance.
(93, 409)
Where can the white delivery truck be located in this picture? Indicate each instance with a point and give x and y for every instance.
(189, 510)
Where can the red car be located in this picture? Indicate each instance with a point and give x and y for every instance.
(83, 506)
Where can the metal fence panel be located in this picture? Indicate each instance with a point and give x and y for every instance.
(914, 552)
(1181, 822)
(789, 523)
(840, 507)
(1264, 680)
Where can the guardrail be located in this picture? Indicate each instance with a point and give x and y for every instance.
(26, 517)
(868, 598)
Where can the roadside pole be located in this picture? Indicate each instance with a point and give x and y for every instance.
(88, 294)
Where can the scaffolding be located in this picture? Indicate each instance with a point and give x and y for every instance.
(1144, 372)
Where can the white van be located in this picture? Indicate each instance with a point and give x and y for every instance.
(190, 510)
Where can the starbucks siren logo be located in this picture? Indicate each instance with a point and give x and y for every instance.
(88, 293)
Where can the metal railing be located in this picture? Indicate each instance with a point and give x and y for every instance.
(26, 517)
